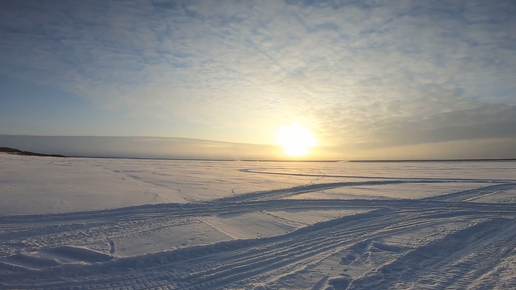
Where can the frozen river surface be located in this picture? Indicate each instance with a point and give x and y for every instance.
(154, 224)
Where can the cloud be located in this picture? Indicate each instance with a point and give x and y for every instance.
(486, 122)
(461, 149)
(391, 73)
(140, 147)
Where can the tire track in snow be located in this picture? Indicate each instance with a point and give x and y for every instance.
(226, 263)
(249, 248)
(258, 256)
(442, 264)
(141, 219)
(71, 221)
(242, 202)
(475, 180)
(473, 193)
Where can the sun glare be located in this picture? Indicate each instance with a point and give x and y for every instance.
(295, 140)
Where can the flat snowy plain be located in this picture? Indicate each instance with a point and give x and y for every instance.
(80, 223)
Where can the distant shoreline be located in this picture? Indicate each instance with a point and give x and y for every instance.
(315, 161)
(205, 159)
(14, 151)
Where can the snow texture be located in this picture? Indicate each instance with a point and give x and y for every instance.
(80, 223)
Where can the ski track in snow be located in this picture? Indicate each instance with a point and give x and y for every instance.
(472, 245)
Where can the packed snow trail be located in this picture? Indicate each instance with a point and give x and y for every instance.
(231, 262)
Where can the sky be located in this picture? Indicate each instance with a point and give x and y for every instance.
(370, 79)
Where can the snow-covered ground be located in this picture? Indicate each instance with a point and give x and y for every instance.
(153, 224)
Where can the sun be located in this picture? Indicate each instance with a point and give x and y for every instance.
(295, 139)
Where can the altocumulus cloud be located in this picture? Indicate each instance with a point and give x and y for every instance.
(376, 73)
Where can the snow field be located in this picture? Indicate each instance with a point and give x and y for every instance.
(154, 224)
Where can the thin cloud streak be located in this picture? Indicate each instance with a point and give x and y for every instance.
(139, 147)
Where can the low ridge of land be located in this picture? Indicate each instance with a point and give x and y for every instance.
(15, 151)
